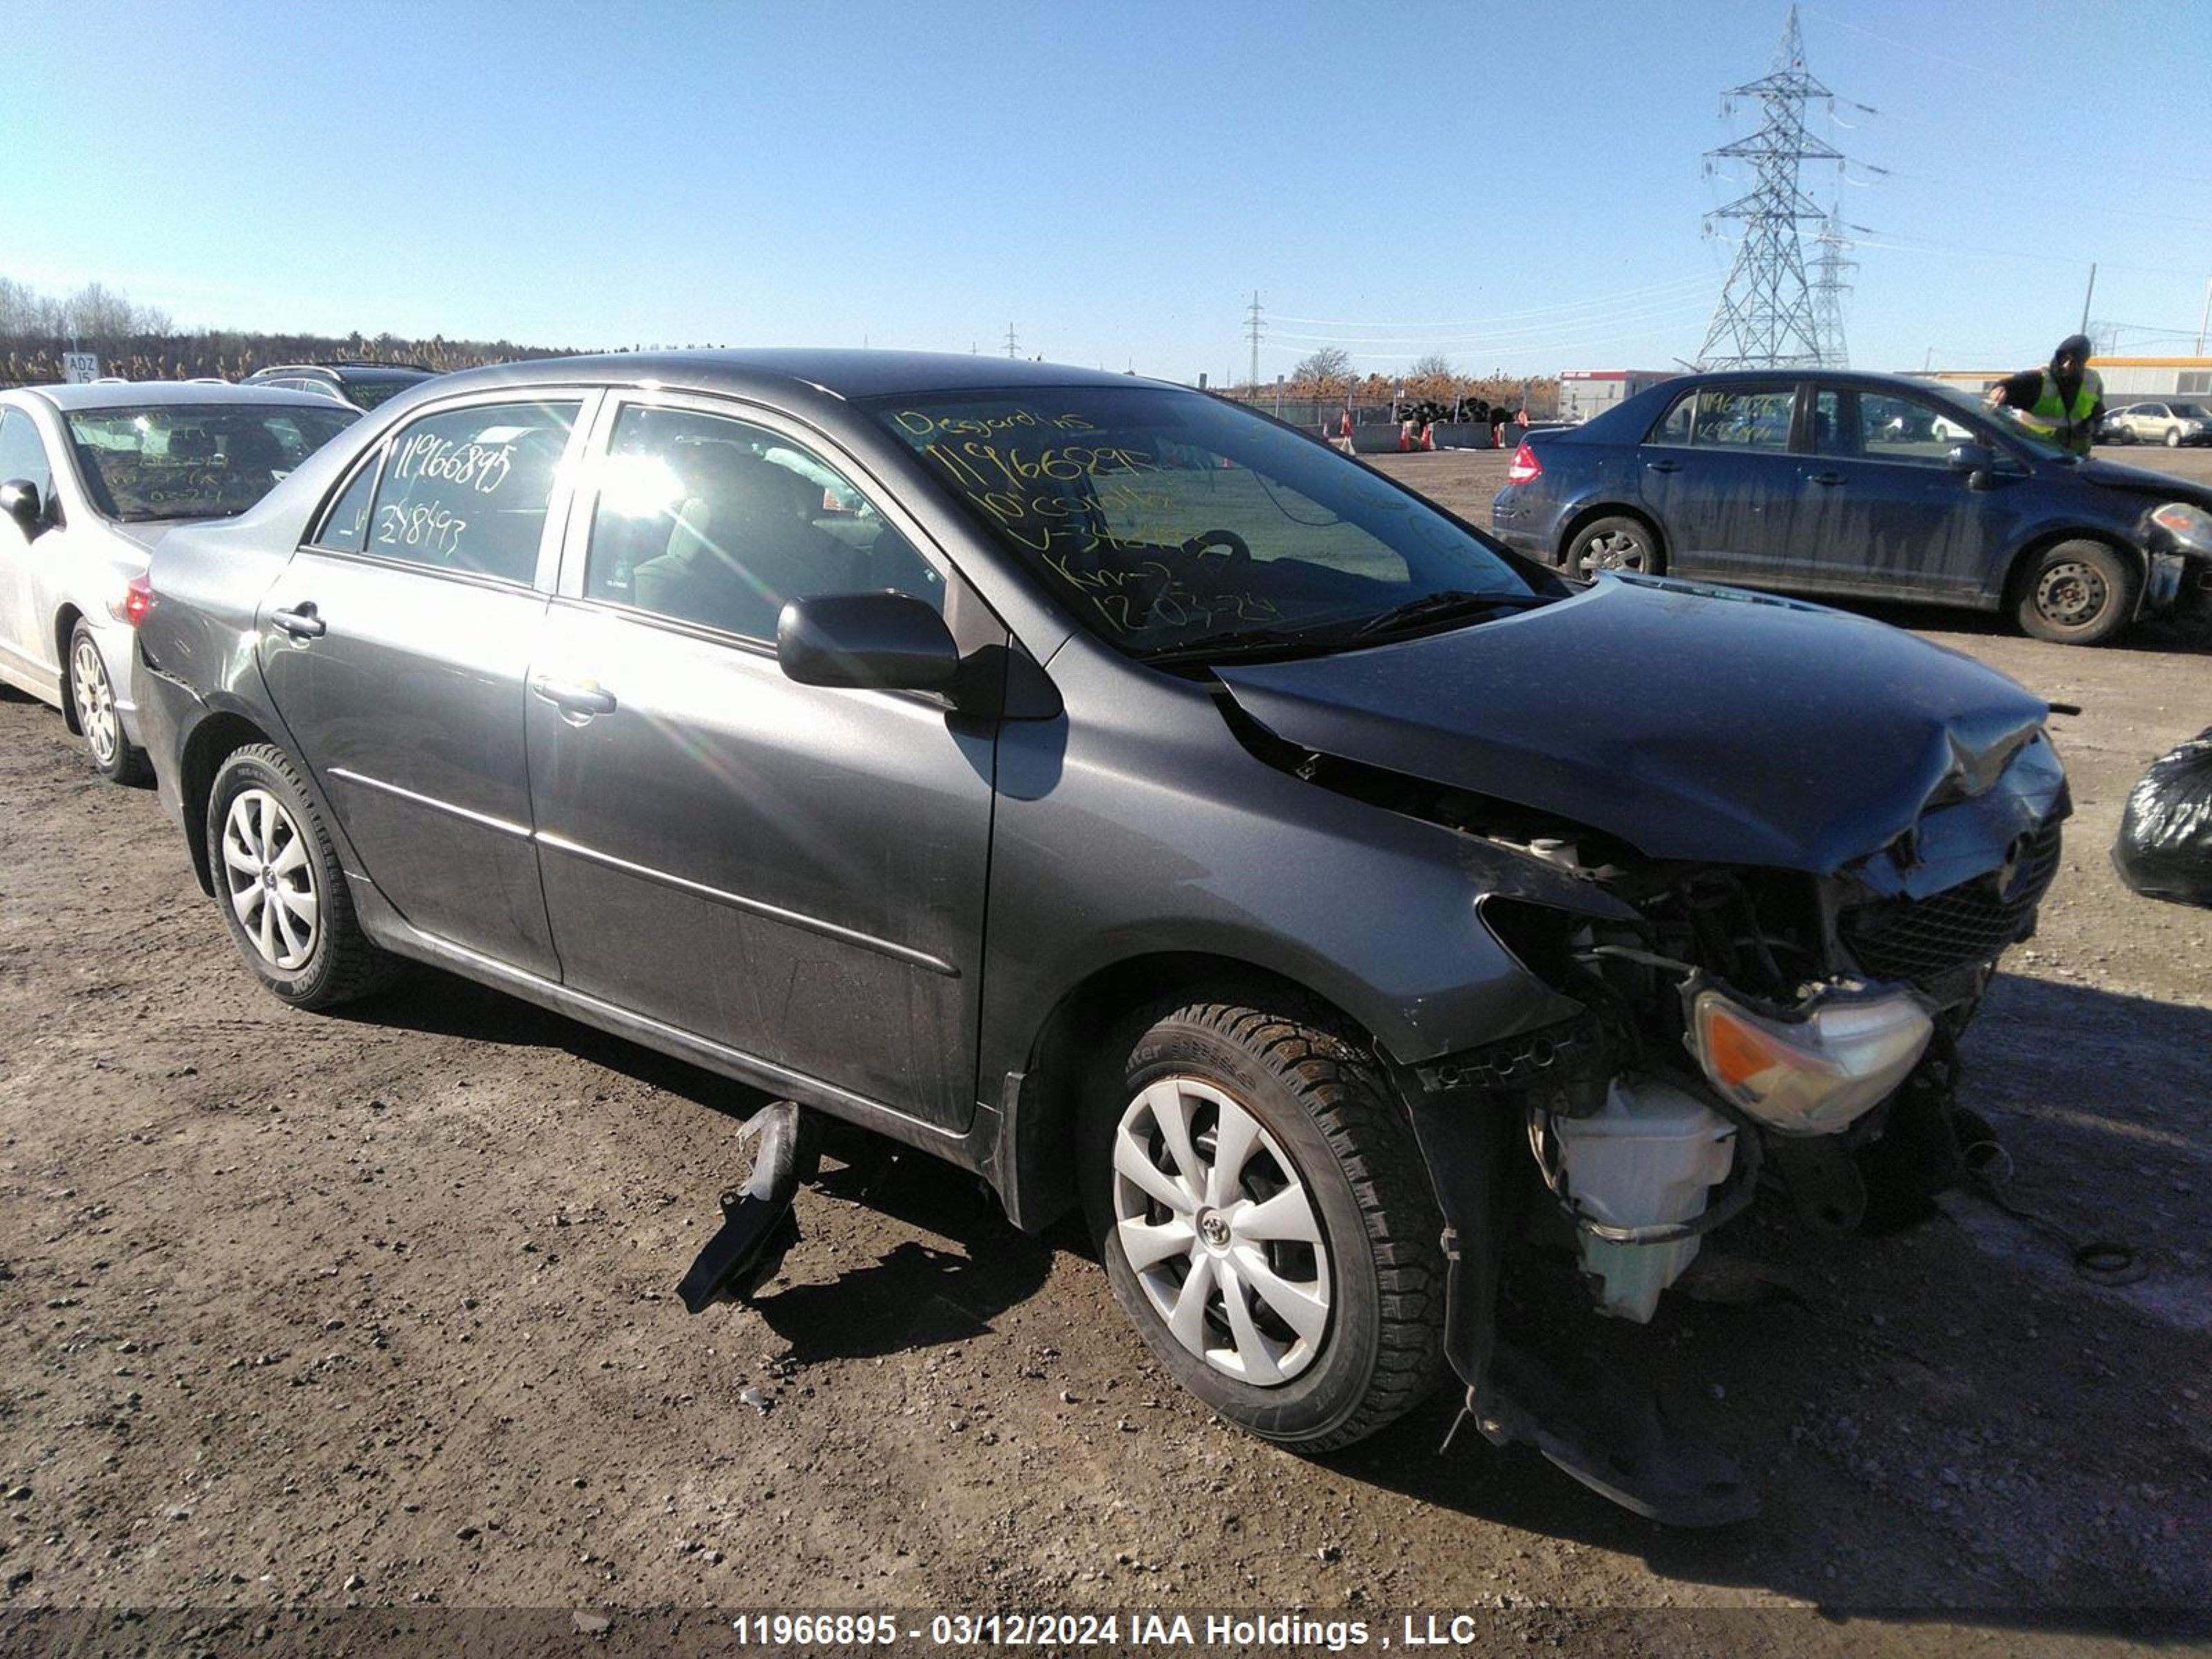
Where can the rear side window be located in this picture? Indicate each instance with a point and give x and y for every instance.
(466, 489)
(1730, 417)
(345, 526)
(1745, 417)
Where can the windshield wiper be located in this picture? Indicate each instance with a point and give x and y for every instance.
(1452, 601)
(1231, 642)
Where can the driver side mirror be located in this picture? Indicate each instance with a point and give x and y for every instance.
(1973, 459)
(19, 500)
(886, 641)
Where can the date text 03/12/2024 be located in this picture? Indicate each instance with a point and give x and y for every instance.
(1229, 1631)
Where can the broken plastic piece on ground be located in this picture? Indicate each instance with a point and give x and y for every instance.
(758, 1228)
(1615, 1439)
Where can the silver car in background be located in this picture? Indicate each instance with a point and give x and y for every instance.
(2164, 421)
(91, 478)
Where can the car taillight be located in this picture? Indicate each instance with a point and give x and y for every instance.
(1525, 465)
(137, 599)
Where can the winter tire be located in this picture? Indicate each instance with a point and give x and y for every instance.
(1265, 1220)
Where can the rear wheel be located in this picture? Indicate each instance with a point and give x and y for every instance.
(2077, 592)
(99, 721)
(284, 896)
(1614, 543)
(1265, 1219)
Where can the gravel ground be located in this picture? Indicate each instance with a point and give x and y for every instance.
(304, 1312)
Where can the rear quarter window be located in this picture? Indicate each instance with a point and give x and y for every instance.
(466, 489)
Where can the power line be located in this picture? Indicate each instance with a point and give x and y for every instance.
(1641, 292)
(1763, 319)
(1686, 305)
(1828, 288)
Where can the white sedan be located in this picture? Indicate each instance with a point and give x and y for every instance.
(91, 478)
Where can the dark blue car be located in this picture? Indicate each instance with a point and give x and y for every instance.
(1861, 485)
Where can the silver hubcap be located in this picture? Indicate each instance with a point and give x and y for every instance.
(271, 878)
(1218, 1226)
(2070, 595)
(1617, 551)
(95, 702)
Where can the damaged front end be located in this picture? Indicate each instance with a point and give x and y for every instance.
(1753, 1029)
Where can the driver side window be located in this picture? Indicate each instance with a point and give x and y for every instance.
(707, 519)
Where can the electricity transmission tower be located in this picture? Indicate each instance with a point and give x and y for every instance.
(1012, 350)
(1831, 273)
(1254, 328)
(1764, 317)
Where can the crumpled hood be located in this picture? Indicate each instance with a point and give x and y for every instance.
(1692, 722)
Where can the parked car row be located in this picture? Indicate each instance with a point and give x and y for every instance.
(1866, 486)
(1103, 788)
(94, 477)
(363, 385)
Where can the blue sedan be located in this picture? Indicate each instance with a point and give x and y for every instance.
(1867, 486)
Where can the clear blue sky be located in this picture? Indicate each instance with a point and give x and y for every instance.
(1518, 186)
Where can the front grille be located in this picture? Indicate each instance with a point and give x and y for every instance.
(1925, 938)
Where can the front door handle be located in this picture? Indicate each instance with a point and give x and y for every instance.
(1664, 466)
(1827, 478)
(301, 622)
(579, 698)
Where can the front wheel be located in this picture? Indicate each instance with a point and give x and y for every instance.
(2173, 437)
(1617, 542)
(1265, 1220)
(99, 721)
(282, 894)
(2077, 592)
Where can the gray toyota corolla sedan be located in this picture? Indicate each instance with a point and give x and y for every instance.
(1115, 793)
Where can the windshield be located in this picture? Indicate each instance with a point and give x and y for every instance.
(2190, 411)
(2008, 418)
(202, 461)
(1167, 517)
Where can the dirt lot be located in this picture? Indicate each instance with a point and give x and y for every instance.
(308, 1311)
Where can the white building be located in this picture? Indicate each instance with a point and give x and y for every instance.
(1586, 392)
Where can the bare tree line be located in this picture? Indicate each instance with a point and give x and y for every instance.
(95, 312)
(143, 342)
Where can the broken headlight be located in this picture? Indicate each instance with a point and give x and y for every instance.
(1819, 1068)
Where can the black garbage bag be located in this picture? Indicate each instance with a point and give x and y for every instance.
(2164, 848)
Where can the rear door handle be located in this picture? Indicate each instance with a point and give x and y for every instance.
(301, 622)
(581, 698)
(1827, 478)
(1664, 466)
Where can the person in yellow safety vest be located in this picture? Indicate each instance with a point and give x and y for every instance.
(2063, 403)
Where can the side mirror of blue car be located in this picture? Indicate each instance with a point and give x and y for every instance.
(1975, 460)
